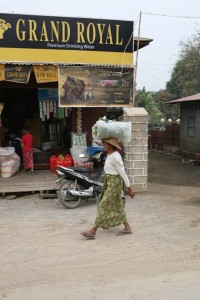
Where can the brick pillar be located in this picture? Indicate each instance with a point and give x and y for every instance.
(136, 152)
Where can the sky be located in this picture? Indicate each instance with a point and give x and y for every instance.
(156, 61)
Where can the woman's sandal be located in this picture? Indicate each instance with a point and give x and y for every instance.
(88, 235)
(124, 231)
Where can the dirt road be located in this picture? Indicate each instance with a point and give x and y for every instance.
(44, 257)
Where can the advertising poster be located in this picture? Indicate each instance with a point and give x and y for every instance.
(91, 86)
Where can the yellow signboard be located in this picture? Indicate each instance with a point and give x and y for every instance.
(46, 39)
(46, 73)
(2, 72)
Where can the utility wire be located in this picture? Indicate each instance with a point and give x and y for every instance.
(152, 76)
(159, 15)
(153, 64)
(169, 16)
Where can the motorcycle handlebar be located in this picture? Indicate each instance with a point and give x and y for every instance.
(99, 156)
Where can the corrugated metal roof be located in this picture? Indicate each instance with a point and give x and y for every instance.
(64, 64)
(195, 97)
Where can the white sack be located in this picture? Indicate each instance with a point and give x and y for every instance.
(119, 130)
(6, 151)
(10, 167)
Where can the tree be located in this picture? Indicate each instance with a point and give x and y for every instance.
(145, 99)
(169, 111)
(185, 78)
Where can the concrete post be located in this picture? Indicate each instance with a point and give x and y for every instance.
(136, 152)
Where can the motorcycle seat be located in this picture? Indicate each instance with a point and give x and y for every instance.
(81, 170)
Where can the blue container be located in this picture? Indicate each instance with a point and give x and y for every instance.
(93, 149)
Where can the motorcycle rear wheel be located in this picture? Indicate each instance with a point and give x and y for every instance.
(67, 200)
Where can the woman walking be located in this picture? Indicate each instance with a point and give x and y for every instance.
(110, 211)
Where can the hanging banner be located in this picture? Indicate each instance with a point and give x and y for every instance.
(48, 94)
(47, 39)
(2, 72)
(20, 74)
(46, 73)
(90, 86)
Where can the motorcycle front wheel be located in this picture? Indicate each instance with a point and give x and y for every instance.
(68, 201)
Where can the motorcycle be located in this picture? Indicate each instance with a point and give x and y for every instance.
(76, 184)
(79, 183)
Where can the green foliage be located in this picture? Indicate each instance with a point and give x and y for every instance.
(184, 81)
(185, 78)
(169, 111)
(146, 99)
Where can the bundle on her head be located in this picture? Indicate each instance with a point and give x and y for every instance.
(104, 129)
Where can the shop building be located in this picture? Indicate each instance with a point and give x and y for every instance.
(34, 49)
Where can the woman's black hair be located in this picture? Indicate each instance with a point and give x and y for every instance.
(26, 128)
(11, 131)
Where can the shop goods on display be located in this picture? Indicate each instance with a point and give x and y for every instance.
(48, 145)
(9, 162)
(60, 160)
(79, 120)
(47, 107)
(79, 139)
(104, 129)
(79, 146)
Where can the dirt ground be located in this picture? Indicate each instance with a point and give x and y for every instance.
(44, 257)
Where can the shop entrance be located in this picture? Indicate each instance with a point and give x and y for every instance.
(20, 107)
(51, 134)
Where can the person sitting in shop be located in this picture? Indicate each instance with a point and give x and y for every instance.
(27, 150)
(16, 143)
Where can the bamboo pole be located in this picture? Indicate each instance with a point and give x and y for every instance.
(137, 54)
